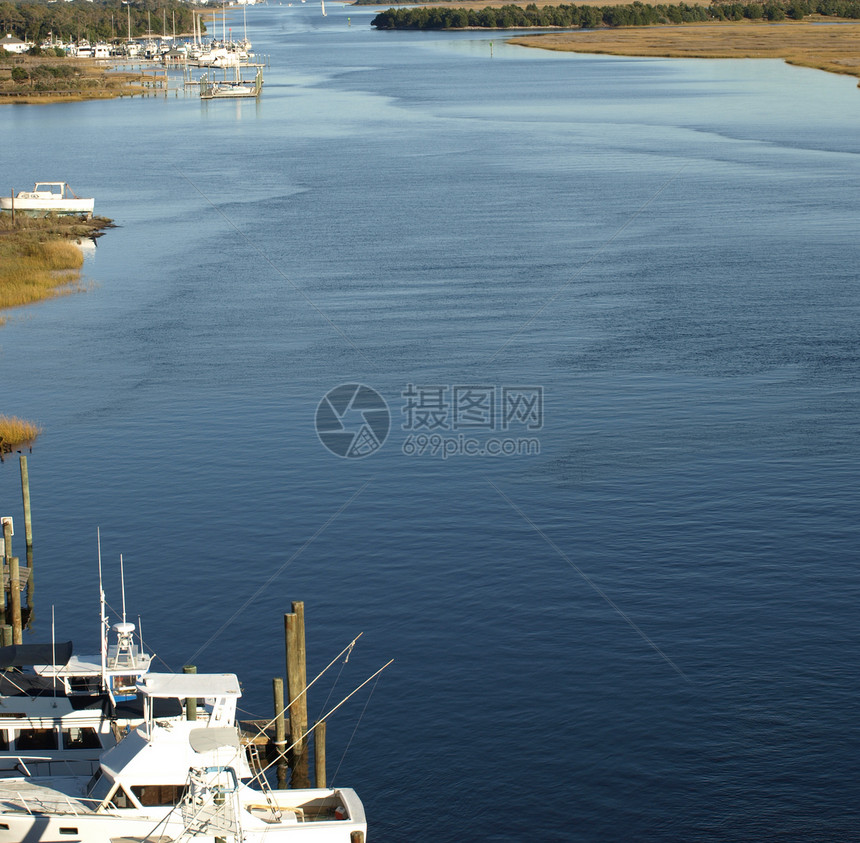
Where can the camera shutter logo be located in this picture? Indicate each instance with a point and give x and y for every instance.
(353, 420)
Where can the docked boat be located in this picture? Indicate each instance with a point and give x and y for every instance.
(178, 780)
(226, 89)
(48, 197)
(59, 712)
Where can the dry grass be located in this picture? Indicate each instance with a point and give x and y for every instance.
(834, 48)
(15, 431)
(483, 4)
(82, 79)
(33, 271)
(39, 258)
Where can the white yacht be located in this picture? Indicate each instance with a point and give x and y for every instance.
(59, 712)
(178, 780)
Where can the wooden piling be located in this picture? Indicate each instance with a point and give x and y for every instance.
(319, 755)
(298, 705)
(25, 493)
(15, 600)
(7, 545)
(356, 837)
(280, 731)
(190, 702)
(28, 538)
(6, 634)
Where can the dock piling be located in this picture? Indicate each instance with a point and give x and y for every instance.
(190, 702)
(280, 731)
(15, 600)
(6, 563)
(25, 493)
(294, 639)
(319, 754)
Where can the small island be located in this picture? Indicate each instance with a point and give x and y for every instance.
(820, 34)
(835, 49)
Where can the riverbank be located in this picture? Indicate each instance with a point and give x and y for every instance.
(832, 47)
(43, 80)
(42, 258)
(39, 259)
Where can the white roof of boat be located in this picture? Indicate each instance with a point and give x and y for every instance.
(179, 686)
(92, 666)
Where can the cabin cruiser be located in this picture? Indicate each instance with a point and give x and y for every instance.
(59, 712)
(48, 197)
(175, 780)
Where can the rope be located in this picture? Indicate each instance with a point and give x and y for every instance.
(358, 723)
(278, 570)
(286, 708)
(328, 714)
(336, 680)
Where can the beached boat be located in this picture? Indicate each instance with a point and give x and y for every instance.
(178, 781)
(48, 197)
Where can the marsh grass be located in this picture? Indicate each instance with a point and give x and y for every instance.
(834, 48)
(39, 258)
(31, 271)
(15, 431)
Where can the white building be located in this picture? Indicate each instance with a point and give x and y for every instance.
(11, 44)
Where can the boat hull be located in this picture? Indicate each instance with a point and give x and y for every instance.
(43, 207)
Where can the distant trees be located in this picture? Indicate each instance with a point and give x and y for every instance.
(102, 20)
(593, 17)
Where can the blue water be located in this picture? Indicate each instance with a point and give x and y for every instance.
(648, 630)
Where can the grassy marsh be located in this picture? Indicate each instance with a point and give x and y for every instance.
(834, 48)
(15, 431)
(39, 258)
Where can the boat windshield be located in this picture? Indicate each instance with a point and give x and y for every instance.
(99, 786)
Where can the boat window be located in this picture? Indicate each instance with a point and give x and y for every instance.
(84, 685)
(81, 738)
(159, 794)
(124, 684)
(99, 786)
(121, 799)
(4, 739)
(36, 739)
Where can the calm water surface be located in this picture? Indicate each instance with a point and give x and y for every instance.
(647, 631)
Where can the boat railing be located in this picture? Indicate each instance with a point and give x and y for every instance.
(21, 761)
(62, 806)
(45, 765)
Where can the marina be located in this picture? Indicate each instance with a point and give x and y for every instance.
(126, 753)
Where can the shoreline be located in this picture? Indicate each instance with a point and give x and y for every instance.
(834, 48)
(39, 260)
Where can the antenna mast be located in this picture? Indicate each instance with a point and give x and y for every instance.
(103, 619)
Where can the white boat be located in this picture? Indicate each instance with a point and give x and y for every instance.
(59, 712)
(48, 197)
(224, 89)
(178, 781)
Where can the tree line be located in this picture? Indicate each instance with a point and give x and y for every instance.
(103, 20)
(594, 17)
